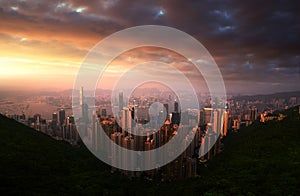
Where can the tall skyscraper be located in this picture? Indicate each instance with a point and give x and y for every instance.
(176, 106)
(121, 101)
(175, 119)
(253, 112)
(126, 122)
(84, 106)
(85, 110)
(225, 123)
(207, 115)
(148, 158)
(201, 117)
(61, 116)
(37, 118)
(71, 119)
(54, 117)
(54, 122)
(166, 106)
(216, 121)
(116, 155)
(127, 157)
(81, 96)
(132, 113)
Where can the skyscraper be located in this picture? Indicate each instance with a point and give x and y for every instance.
(54, 122)
(84, 106)
(166, 106)
(216, 121)
(253, 112)
(132, 113)
(54, 117)
(116, 155)
(81, 96)
(85, 109)
(61, 116)
(176, 106)
(126, 122)
(207, 115)
(127, 157)
(37, 118)
(201, 117)
(121, 101)
(225, 123)
(175, 118)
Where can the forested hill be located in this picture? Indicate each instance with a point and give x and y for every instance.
(260, 159)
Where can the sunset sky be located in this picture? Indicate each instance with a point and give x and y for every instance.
(256, 44)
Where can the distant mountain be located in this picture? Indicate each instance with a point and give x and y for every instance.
(25, 94)
(262, 159)
(280, 95)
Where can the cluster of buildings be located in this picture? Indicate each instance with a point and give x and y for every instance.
(244, 110)
(208, 126)
(60, 127)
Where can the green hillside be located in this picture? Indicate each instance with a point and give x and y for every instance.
(260, 159)
(34, 163)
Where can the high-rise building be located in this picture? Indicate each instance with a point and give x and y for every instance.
(202, 149)
(236, 124)
(166, 106)
(190, 167)
(127, 156)
(85, 115)
(176, 106)
(253, 112)
(81, 96)
(84, 106)
(54, 117)
(148, 158)
(116, 155)
(61, 116)
(103, 112)
(94, 138)
(54, 123)
(211, 140)
(216, 121)
(71, 119)
(201, 117)
(126, 121)
(37, 118)
(175, 119)
(142, 114)
(207, 115)
(132, 113)
(225, 123)
(121, 101)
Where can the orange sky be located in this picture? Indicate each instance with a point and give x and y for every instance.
(40, 61)
(42, 43)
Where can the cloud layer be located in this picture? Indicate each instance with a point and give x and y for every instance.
(256, 44)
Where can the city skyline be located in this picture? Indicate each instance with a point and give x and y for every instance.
(43, 44)
(212, 124)
(133, 97)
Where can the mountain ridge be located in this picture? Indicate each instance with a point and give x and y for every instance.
(260, 159)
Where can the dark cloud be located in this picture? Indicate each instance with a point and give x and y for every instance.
(256, 41)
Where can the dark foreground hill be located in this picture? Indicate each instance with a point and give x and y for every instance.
(260, 159)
